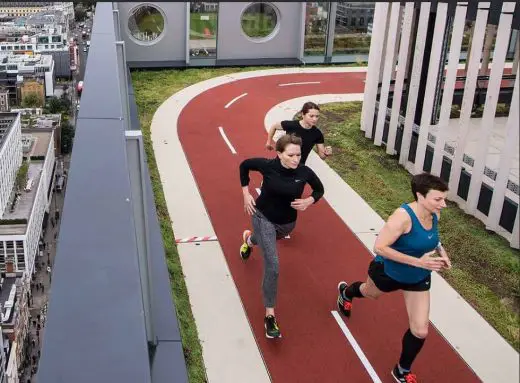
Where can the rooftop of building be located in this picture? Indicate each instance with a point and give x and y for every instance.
(7, 298)
(41, 139)
(26, 59)
(44, 121)
(24, 203)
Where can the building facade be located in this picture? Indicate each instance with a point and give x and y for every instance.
(24, 210)
(10, 155)
(458, 121)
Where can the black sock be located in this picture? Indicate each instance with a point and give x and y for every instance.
(353, 291)
(411, 347)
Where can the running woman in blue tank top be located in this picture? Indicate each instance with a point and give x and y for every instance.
(408, 249)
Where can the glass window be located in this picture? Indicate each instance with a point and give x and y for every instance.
(203, 29)
(351, 33)
(259, 20)
(316, 19)
(146, 23)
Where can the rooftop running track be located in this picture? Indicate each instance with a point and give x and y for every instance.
(219, 126)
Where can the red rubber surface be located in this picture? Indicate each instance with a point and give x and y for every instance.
(321, 252)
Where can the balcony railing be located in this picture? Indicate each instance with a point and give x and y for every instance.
(98, 327)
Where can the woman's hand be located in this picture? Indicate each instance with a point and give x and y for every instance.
(302, 204)
(249, 203)
(269, 145)
(328, 151)
(431, 262)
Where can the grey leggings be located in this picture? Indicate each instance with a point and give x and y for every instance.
(265, 235)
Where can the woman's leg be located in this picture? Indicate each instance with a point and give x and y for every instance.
(264, 235)
(418, 308)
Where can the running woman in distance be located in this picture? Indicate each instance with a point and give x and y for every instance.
(306, 129)
(408, 249)
(275, 211)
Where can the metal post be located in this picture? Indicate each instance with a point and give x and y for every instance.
(331, 26)
(123, 82)
(136, 167)
(117, 26)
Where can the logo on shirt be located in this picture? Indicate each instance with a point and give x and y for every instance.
(430, 236)
(297, 180)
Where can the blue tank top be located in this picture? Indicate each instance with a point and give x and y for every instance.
(415, 243)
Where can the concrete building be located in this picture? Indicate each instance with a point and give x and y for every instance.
(4, 349)
(22, 8)
(409, 107)
(24, 210)
(4, 100)
(14, 69)
(355, 16)
(14, 311)
(10, 155)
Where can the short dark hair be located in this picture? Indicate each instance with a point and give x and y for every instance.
(287, 139)
(423, 183)
(308, 106)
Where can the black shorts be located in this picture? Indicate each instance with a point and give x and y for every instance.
(376, 271)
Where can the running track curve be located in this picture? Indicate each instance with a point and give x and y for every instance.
(322, 250)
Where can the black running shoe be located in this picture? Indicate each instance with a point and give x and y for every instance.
(245, 249)
(344, 304)
(271, 327)
(406, 377)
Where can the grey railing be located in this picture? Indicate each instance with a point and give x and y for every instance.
(110, 316)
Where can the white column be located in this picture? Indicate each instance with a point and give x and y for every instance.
(473, 65)
(431, 84)
(374, 63)
(401, 73)
(449, 87)
(414, 81)
(504, 166)
(493, 90)
(387, 71)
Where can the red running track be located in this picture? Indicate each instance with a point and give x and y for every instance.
(322, 249)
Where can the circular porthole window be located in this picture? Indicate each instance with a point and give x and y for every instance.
(260, 21)
(146, 23)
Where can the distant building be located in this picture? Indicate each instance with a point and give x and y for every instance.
(4, 100)
(24, 207)
(14, 69)
(355, 16)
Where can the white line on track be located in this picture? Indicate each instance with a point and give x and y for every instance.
(356, 347)
(235, 99)
(300, 83)
(221, 129)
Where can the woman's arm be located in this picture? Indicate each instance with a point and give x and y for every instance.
(255, 164)
(272, 130)
(317, 192)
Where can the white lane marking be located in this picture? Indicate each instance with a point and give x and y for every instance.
(235, 99)
(221, 129)
(356, 347)
(300, 83)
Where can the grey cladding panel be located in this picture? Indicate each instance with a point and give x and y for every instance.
(234, 44)
(101, 80)
(171, 46)
(95, 288)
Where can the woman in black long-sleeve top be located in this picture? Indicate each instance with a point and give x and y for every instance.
(275, 211)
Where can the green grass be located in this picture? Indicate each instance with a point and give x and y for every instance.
(152, 88)
(354, 155)
(486, 271)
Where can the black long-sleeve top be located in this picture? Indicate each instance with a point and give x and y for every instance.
(280, 187)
